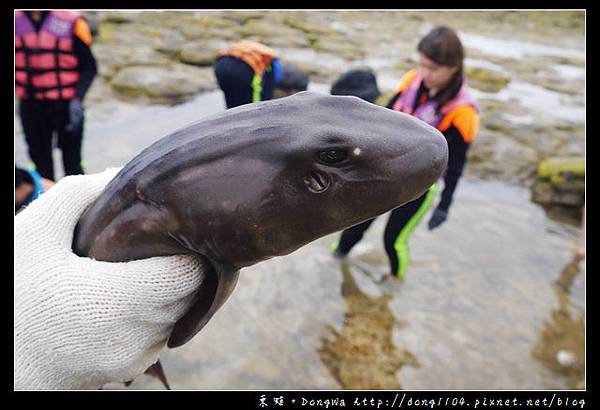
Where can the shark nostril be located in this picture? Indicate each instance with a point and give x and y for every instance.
(317, 177)
(316, 182)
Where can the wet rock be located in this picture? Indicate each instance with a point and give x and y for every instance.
(405, 63)
(169, 84)
(493, 156)
(525, 130)
(93, 20)
(497, 122)
(145, 55)
(200, 54)
(577, 62)
(272, 34)
(319, 73)
(170, 48)
(242, 17)
(559, 20)
(129, 34)
(210, 21)
(117, 17)
(546, 135)
(105, 31)
(559, 170)
(486, 80)
(111, 58)
(362, 355)
(340, 46)
(561, 347)
(283, 41)
(98, 92)
(566, 87)
(194, 32)
(308, 27)
(208, 28)
(572, 148)
(560, 181)
(322, 37)
(172, 41)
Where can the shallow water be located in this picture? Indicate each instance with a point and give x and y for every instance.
(478, 300)
(516, 48)
(539, 100)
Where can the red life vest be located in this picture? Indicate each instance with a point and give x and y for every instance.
(428, 111)
(45, 63)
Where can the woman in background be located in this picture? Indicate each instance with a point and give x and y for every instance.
(437, 93)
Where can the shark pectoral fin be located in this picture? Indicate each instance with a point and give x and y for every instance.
(211, 295)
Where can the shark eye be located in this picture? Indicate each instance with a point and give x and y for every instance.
(333, 156)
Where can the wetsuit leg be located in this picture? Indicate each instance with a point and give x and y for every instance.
(68, 142)
(351, 237)
(235, 79)
(268, 85)
(402, 222)
(38, 130)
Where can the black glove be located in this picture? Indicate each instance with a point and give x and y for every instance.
(75, 116)
(438, 217)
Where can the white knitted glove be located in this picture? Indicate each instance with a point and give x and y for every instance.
(80, 323)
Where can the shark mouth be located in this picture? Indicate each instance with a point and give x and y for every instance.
(316, 182)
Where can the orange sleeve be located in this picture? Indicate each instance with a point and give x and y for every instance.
(82, 30)
(405, 81)
(466, 121)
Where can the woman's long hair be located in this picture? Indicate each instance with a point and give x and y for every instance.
(442, 46)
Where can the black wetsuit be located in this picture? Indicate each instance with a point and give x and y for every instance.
(235, 79)
(403, 220)
(42, 119)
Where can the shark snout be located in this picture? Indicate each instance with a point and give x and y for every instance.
(418, 156)
(433, 159)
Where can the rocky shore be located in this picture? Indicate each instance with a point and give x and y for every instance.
(530, 82)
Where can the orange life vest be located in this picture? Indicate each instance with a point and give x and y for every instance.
(460, 112)
(256, 55)
(45, 63)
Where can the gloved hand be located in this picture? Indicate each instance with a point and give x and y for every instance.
(438, 217)
(75, 116)
(80, 323)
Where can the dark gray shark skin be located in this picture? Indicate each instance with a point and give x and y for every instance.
(258, 181)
